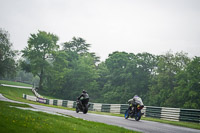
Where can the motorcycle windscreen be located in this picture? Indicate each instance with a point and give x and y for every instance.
(139, 101)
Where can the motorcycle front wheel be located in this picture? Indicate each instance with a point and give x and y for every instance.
(126, 114)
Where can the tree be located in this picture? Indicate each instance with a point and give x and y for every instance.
(193, 72)
(77, 45)
(103, 72)
(7, 62)
(71, 70)
(38, 52)
(82, 67)
(145, 68)
(164, 82)
(187, 92)
(57, 71)
(128, 75)
(120, 80)
(82, 76)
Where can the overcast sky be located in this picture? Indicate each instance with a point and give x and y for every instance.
(133, 26)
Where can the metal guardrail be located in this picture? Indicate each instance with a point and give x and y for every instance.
(190, 115)
(172, 114)
(153, 112)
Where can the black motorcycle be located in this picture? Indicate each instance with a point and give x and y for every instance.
(81, 107)
(134, 113)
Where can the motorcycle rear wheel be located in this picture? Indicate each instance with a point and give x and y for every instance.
(85, 111)
(77, 110)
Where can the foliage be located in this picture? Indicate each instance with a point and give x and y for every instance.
(77, 45)
(71, 70)
(164, 82)
(188, 88)
(128, 75)
(7, 62)
(39, 50)
(157, 79)
(26, 77)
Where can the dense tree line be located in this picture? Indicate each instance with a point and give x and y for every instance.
(7, 56)
(171, 80)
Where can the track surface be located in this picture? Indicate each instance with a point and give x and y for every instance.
(142, 125)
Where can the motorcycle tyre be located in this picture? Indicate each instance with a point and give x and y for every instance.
(138, 116)
(77, 110)
(85, 111)
(126, 114)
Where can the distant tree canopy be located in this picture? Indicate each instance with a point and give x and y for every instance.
(170, 80)
(73, 69)
(40, 48)
(7, 61)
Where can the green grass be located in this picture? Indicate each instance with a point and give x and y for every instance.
(14, 83)
(179, 123)
(50, 97)
(22, 84)
(16, 120)
(16, 94)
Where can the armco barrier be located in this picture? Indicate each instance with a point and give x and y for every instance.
(105, 108)
(91, 106)
(64, 103)
(115, 108)
(172, 114)
(123, 108)
(190, 115)
(36, 94)
(153, 112)
(41, 100)
(30, 98)
(97, 107)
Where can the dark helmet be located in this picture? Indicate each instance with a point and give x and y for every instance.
(84, 91)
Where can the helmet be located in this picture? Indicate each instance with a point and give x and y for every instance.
(135, 96)
(84, 91)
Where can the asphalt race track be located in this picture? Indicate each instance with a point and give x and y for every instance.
(142, 125)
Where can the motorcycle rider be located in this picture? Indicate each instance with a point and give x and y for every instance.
(134, 102)
(84, 98)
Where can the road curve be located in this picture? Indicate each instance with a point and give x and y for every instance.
(142, 125)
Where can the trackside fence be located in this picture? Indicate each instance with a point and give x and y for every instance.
(172, 114)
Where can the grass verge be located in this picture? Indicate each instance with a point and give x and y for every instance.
(176, 123)
(16, 94)
(16, 120)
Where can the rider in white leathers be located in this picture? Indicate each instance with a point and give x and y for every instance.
(134, 102)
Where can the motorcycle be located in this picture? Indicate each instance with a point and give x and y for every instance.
(136, 113)
(81, 107)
